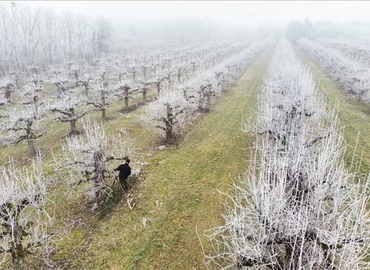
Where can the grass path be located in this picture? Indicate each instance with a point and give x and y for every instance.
(352, 114)
(180, 191)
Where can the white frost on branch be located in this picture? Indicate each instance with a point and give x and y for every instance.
(24, 220)
(88, 156)
(297, 206)
(169, 112)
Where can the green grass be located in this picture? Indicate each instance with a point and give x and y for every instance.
(179, 191)
(352, 114)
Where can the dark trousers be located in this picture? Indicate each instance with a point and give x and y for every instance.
(124, 185)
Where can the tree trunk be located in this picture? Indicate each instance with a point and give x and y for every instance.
(158, 88)
(169, 122)
(73, 126)
(103, 114)
(31, 147)
(7, 94)
(126, 103)
(86, 90)
(168, 131)
(208, 101)
(99, 176)
(144, 95)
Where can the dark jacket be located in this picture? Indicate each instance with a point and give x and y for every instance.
(124, 171)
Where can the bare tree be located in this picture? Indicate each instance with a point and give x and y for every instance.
(126, 92)
(7, 86)
(145, 87)
(88, 156)
(100, 99)
(70, 108)
(169, 111)
(85, 81)
(23, 217)
(61, 83)
(23, 124)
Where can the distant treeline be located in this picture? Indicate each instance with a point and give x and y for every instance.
(313, 30)
(36, 36)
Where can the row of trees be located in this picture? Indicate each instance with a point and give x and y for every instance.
(86, 157)
(37, 101)
(356, 49)
(24, 219)
(176, 108)
(351, 73)
(297, 206)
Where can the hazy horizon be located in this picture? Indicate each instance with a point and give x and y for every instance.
(234, 12)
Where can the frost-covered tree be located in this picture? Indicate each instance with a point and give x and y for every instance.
(24, 220)
(351, 73)
(121, 74)
(88, 156)
(7, 86)
(297, 206)
(85, 81)
(126, 91)
(70, 108)
(30, 94)
(22, 124)
(144, 88)
(61, 84)
(100, 98)
(171, 110)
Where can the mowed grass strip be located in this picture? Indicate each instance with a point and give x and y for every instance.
(180, 191)
(352, 116)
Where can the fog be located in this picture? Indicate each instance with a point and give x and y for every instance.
(252, 12)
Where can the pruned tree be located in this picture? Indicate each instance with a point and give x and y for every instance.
(126, 91)
(171, 110)
(74, 72)
(158, 84)
(100, 99)
(121, 75)
(145, 71)
(133, 71)
(7, 86)
(61, 84)
(24, 123)
(203, 96)
(85, 81)
(103, 78)
(24, 221)
(31, 93)
(88, 156)
(17, 76)
(70, 108)
(144, 88)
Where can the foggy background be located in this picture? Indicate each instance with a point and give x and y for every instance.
(44, 33)
(214, 19)
(237, 12)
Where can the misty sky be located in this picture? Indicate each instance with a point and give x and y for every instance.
(233, 11)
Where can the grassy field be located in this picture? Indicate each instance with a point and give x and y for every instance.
(179, 189)
(352, 116)
(178, 193)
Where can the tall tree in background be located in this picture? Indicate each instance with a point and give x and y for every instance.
(101, 36)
